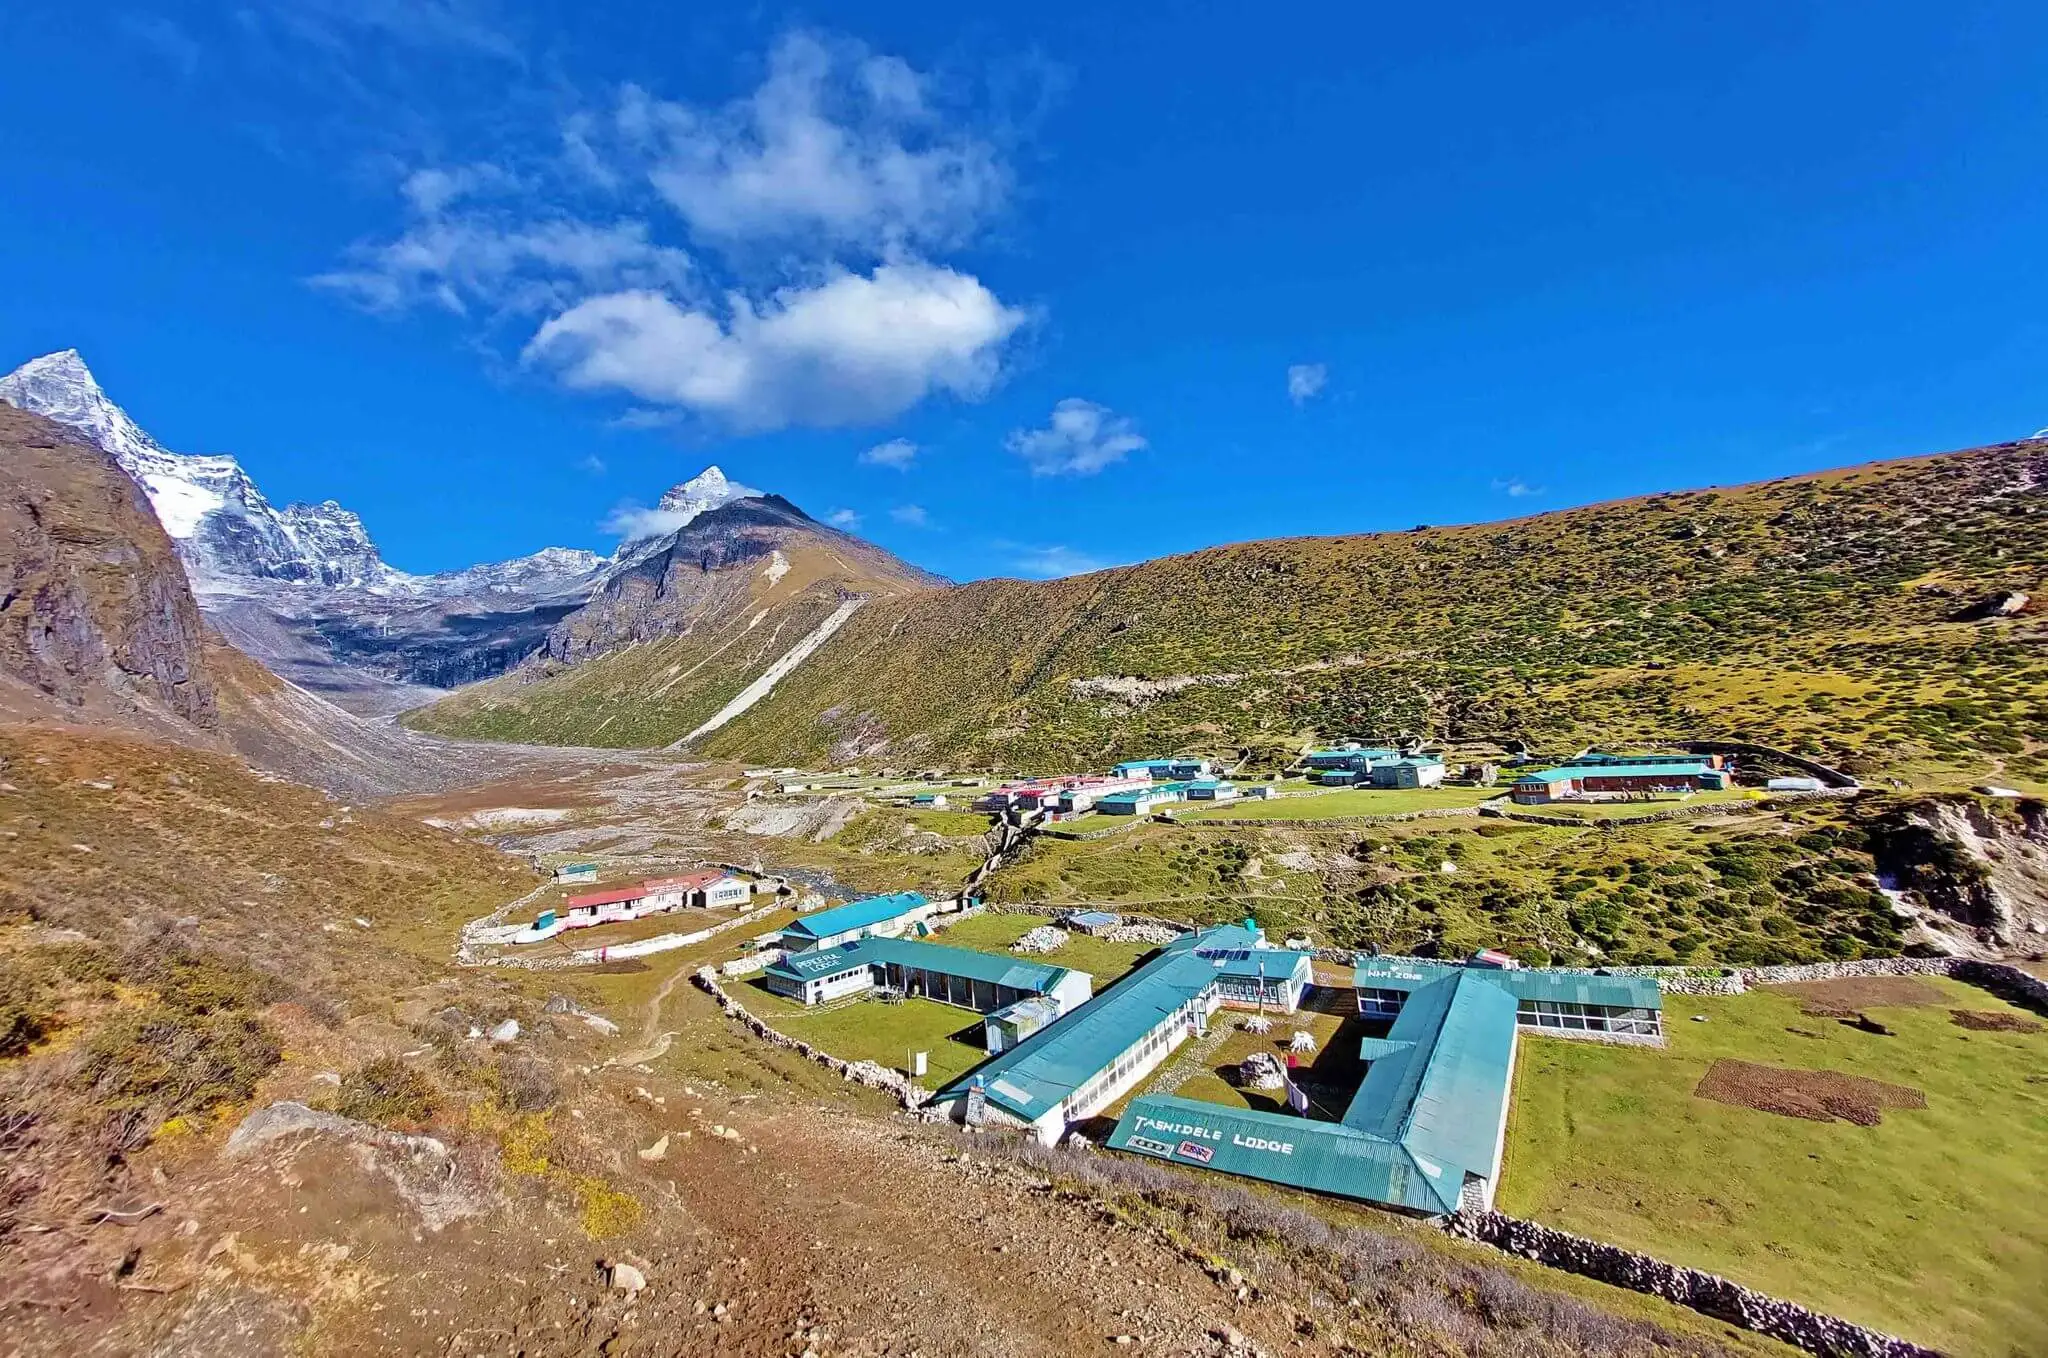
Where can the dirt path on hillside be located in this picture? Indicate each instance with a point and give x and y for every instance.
(651, 1046)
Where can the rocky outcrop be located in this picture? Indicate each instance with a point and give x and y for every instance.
(1973, 874)
(95, 611)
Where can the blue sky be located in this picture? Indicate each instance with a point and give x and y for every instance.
(1026, 292)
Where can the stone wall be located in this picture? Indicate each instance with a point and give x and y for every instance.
(1704, 1292)
(1273, 822)
(866, 1073)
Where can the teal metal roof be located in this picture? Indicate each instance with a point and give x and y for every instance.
(1152, 793)
(1640, 771)
(1323, 1156)
(1429, 1111)
(1399, 973)
(1274, 964)
(975, 965)
(1444, 1098)
(1037, 977)
(1580, 987)
(855, 915)
(1576, 987)
(810, 966)
(1571, 771)
(1040, 1072)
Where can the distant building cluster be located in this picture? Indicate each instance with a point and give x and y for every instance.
(709, 889)
(1621, 775)
(1355, 765)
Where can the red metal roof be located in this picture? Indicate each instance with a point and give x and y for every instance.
(611, 897)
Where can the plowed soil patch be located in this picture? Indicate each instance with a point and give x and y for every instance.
(1817, 1095)
(1843, 998)
(1989, 1021)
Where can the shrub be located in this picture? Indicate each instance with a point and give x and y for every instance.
(157, 1063)
(386, 1090)
(604, 1211)
(527, 1085)
(25, 1015)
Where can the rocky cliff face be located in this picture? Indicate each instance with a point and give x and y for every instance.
(1972, 873)
(95, 612)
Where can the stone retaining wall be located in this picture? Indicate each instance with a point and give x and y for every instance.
(1704, 1292)
(1286, 822)
(866, 1073)
(2001, 978)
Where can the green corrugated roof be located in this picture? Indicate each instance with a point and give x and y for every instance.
(1577, 987)
(1617, 771)
(1429, 1111)
(1326, 1157)
(1037, 977)
(1581, 987)
(1041, 1071)
(855, 915)
(975, 965)
(1399, 973)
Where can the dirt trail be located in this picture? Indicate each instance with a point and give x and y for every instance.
(652, 1046)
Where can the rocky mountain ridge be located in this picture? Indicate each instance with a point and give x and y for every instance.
(96, 621)
(305, 589)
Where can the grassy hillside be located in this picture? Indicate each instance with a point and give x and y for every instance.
(676, 647)
(1814, 611)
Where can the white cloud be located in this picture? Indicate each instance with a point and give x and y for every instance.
(462, 263)
(838, 146)
(812, 208)
(1050, 563)
(592, 463)
(850, 350)
(897, 453)
(1515, 488)
(844, 519)
(1305, 381)
(1081, 439)
(911, 515)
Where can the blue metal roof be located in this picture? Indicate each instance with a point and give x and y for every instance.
(1571, 771)
(1037, 977)
(1324, 1156)
(1040, 1072)
(855, 915)
(1428, 1113)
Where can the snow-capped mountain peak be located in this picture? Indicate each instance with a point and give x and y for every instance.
(706, 491)
(233, 540)
(640, 530)
(60, 387)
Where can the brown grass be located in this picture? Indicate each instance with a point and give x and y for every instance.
(1993, 1021)
(1846, 997)
(1817, 1095)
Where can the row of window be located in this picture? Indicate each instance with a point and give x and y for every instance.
(1133, 1060)
(1588, 1018)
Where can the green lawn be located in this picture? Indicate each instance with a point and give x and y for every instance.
(1349, 801)
(1929, 1225)
(954, 824)
(1103, 960)
(869, 1030)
